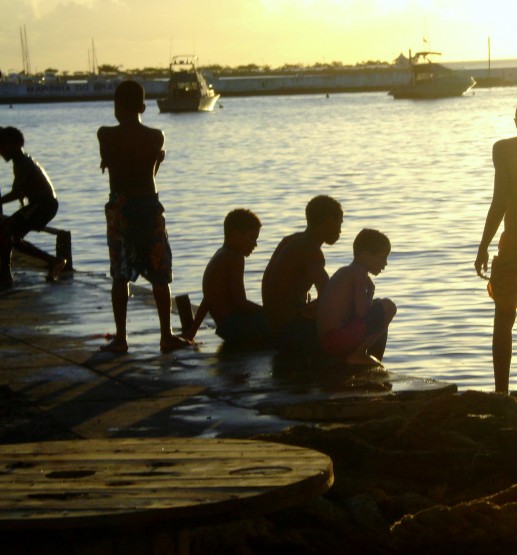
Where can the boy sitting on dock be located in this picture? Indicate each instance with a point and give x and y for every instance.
(238, 319)
(297, 265)
(137, 236)
(351, 325)
(31, 182)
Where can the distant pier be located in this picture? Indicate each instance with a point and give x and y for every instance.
(304, 82)
(352, 80)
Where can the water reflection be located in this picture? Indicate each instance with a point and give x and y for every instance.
(420, 172)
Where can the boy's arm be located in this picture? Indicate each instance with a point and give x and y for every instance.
(9, 197)
(201, 312)
(161, 158)
(236, 286)
(497, 208)
(362, 299)
(102, 148)
(319, 278)
(16, 192)
(370, 289)
(158, 139)
(317, 272)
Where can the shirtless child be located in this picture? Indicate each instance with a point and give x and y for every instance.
(31, 183)
(238, 319)
(137, 236)
(503, 278)
(295, 267)
(351, 325)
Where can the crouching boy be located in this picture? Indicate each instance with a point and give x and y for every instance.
(352, 326)
(31, 183)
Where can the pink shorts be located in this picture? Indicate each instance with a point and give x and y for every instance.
(344, 341)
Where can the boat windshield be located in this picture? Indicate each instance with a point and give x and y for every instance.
(186, 85)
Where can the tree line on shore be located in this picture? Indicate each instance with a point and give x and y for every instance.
(220, 70)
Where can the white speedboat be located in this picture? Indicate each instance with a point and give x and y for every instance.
(188, 90)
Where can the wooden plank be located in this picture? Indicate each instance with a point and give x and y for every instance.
(101, 483)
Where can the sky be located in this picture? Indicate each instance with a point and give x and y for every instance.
(135, 34)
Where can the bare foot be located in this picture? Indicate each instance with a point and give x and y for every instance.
(363, 360)
(55, 269)
(173, 342)
(115, 346)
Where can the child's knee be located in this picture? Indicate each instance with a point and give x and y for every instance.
(390, 309)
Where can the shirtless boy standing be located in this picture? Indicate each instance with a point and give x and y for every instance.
(137, 236)
(503, 279)
(238, 319)
(351, 325)
(295, 267)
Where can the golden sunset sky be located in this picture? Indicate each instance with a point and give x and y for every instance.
(144, 33)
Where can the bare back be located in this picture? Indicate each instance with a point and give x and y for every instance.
(223, 284)
(296, 265)
(132, 153)
(338, 303)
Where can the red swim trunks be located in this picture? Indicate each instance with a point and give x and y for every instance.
(344, 341)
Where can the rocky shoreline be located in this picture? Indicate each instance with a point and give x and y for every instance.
(433, 476)
(417, 475)
(419, 467)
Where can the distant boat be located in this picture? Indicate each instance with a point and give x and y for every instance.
(188, 90)
(430, 80)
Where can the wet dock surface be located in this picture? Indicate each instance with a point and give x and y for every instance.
(56, 384)
(413, 462)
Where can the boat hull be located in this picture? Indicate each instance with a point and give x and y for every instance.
(430, 80)
(431, 90)
(178, 105)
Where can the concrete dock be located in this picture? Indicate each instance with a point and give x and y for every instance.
(55, 383)
(409, 455)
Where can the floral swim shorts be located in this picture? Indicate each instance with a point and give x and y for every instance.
(137, 239)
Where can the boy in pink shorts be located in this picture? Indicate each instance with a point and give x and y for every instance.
(352, 326)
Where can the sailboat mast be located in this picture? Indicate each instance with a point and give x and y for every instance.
(25, 51)
(95, 66)
(489, 66)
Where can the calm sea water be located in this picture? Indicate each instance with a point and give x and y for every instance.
(419, 171)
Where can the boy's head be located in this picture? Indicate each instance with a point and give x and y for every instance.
(241, 230)
(372, 248)
(325, 213)
(130, 97)
(11, 141)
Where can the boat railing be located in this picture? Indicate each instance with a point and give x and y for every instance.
(182, 63)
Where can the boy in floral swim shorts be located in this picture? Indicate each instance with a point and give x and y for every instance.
(352, 326)
(137, 236)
